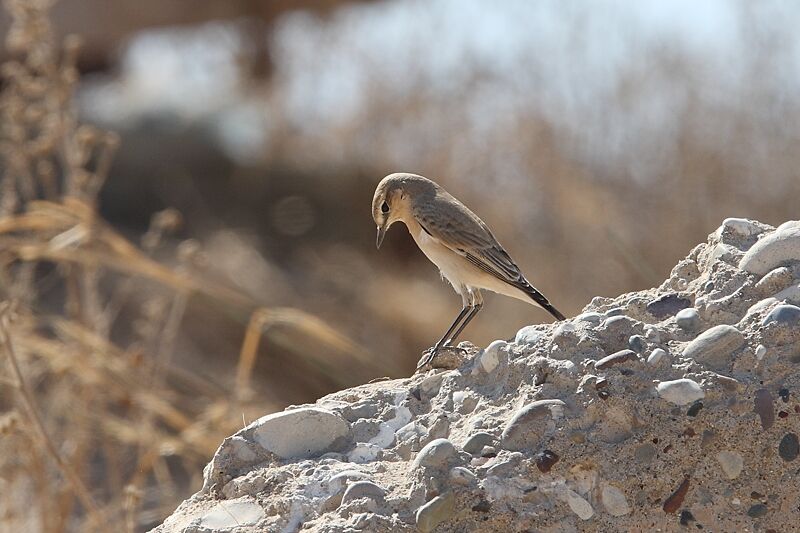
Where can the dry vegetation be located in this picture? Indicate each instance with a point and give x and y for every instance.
(98, 430)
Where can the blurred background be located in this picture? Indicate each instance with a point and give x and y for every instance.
(601, 141)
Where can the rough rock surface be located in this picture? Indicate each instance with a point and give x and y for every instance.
(624, 418)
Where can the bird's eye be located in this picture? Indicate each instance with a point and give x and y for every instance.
(384, 207)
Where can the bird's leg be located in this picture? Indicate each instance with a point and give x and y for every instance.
(432, 352)
(476, 304)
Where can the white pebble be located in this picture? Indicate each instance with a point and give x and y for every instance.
(680, 391)
(656, 356)
(731, 463)
(761, 351)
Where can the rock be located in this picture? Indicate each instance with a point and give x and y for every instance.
(715, 346)
(363, 489)
(621, 356)
(637, 343)
(477, 441)
(490, 357)
(614, 501)
(462, 476)
(688, 319)
(545, 460)
(438, 453)
(789, 447)
(775, 280)
(772, 251)
(680, 391)
(667, 305)
(656, 356)
(300, 433)
(790, 294)
(528, 336)
(527, 426)
(740, 227)
(436, 511)
(764, 406)
(760, 352)
(783, 315)
(578, 504)
(757, 510)
(675, 500)
(731, 463)
(231, 514)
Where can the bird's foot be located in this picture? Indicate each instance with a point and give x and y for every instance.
(430, 354)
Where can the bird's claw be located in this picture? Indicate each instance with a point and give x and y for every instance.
(431, 353)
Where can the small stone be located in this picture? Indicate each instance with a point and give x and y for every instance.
(761, 351)
(764, 406)
(614, 501)
(477, 441)
(694, 409)
(680, 391)
(528, 425)
(757, 511)
(645, 453)
(789, 447)
(656, 356)
(667, 305)
(688, 319)
(783, 315)
(637, 343)
(774, 250)
(686, 517)
(436, 511)
(462, 476)
(230, 514)
(741, 227)
(490, 357)
(578, 504)
(545, 460)
(528, 336)
(615, 311)
(784, 394)
(436, 454)
(615, 359)
(675, 500)
(777, 279)
(363, 489)
(299, 433)
(652, 334)
(715, 346)
(731, 463)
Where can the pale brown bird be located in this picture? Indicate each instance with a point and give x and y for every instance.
(456, 241)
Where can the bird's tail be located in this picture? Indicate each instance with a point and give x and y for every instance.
(541, 300)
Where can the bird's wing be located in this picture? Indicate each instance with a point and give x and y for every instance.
(451, 223)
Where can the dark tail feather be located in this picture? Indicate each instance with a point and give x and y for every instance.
(540, 299)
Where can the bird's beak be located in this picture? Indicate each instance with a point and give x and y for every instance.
(381, 235)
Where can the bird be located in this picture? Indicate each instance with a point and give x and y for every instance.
(457, 241)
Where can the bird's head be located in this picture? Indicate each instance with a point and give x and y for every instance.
(393, 197)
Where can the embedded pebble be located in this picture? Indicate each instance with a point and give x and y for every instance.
(656, 356)
(776, 279)
(761, 351)
(578, 504)
(621, 356)
(742, 227)
(675, 500)
(299, 433)
(757, 511)
(614, 501)
(490, 357)
(363, 489)
(764, 406)
(789, 447)
(436, 454)
(545, 460)
(645, 453)
(526, 427)
(667, 305)
(436, 511)
(462, 476)
(731, 463)
(783, 315)
(715, 346)
(790, 294)
(637, 343)
(529, 335)
(477, 441)
(688, 319)
(231, 514)
(772, 251)
(680, 391)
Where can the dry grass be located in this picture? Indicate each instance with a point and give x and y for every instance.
(99, 431)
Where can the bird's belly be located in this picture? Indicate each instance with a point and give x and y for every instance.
(460, 272)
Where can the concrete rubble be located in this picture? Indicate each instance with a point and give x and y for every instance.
(658, 410)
